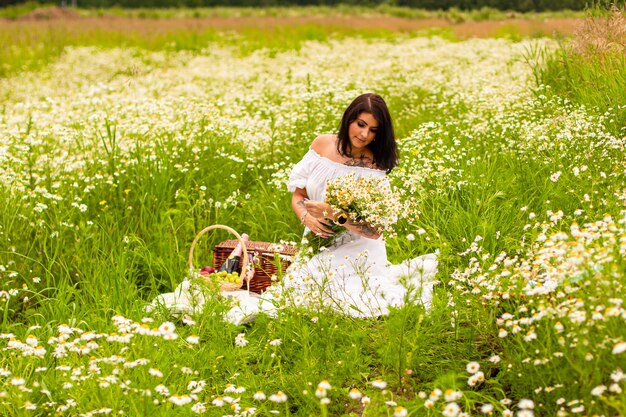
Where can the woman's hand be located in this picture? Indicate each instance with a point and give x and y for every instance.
(316, 218)
(318, 209)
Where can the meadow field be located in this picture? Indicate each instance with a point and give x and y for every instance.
(117, 147)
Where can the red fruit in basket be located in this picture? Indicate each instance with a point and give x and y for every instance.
(206, 270)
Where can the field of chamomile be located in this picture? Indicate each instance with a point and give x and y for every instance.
(114, 155)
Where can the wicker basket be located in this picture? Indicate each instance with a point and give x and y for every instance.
(224, 286)
(270, 259)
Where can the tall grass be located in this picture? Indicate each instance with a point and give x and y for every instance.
(590, 69)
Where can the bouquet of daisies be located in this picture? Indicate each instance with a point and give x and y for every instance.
(369, 200)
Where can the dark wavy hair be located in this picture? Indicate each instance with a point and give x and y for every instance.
(384, 145)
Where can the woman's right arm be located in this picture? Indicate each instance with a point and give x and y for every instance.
(317, 225)
(297, 203)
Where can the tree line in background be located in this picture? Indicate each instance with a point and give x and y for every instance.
(513, 5)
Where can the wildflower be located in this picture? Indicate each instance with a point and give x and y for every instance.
(30, 406)
(379, 383)
(279, 397)
(324, 385)
(325, 401)
(218, 402)
(162, 389)
(555, 177)
(410, 237)
(619, 348)
(198, 408)
(486, 409)
(400, 412)
(193, 339)
(155, 372)
(18, 382)
(189, 322)
(618, 375)
(435, 394)
(599, 390)
(180, 399)
(451, 410)
(451, 395)
(195, 387)
(259, 396)
(248, 411)
(472, 367)
(355, 394)
(167, 328)
(170, 336)
(494, 359)
(31, 340)
(240, 340)
(65, 329)
(365, 400)
(526, 404)
(276, 342)
(320, 392)
(507, 413)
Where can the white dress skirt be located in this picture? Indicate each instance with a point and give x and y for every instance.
(352, 277)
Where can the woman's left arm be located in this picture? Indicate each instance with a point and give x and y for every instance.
(361, 229)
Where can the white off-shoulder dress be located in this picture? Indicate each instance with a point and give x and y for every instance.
(352, 277)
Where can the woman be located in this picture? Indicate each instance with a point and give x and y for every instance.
(353, 276)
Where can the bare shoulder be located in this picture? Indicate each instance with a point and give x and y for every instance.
(324, 144)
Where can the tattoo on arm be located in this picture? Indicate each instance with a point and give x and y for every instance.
(365, 230)
(300, 204)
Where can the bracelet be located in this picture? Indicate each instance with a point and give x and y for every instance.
(303, 216)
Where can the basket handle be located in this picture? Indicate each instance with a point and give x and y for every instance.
(244, 265)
